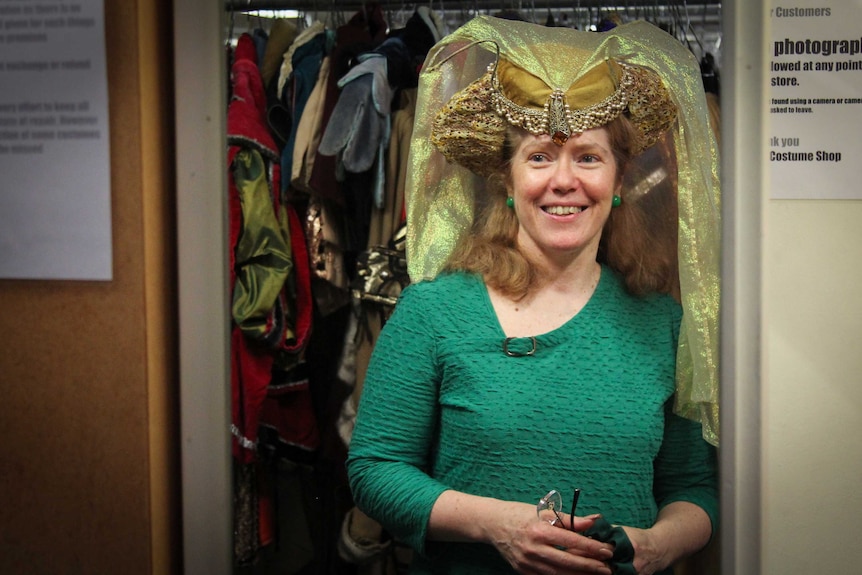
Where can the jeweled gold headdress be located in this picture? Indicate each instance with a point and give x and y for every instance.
(538, 65)
(467, 132)
(557, 117)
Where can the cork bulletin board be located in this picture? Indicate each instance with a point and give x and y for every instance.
(88, 368)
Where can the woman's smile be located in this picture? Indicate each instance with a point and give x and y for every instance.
(563, 210)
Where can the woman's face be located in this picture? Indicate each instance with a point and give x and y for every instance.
(563, 194)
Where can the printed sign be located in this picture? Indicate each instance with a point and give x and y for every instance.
(815, 101)
(55, 195)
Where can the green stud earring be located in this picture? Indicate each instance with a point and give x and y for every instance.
(510, 201)
(617, 201)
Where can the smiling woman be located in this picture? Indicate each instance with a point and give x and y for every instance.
(513, 300)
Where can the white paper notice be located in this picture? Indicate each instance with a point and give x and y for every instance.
(816, 100)
(55, 195)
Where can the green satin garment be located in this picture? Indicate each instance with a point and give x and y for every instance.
(263, 258)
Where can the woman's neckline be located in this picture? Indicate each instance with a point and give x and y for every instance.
(538, 317)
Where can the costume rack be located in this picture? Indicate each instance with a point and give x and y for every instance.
(698, 24)
(484, 5)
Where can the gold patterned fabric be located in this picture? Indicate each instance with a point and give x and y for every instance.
(442, 196)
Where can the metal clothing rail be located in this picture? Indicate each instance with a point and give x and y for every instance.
(484, 5)
(697, 23)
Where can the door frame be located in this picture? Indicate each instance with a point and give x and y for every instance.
(200, 83)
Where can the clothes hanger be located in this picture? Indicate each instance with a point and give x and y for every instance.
(442, 11)
(462, 14)
(660, 19)
(690, 28)
(651, 13)
(406, 10)
(333, 17)
(549, 19)
(229, 39)
(229, 42)
(249, 23)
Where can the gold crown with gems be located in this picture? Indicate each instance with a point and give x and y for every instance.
(470, 129)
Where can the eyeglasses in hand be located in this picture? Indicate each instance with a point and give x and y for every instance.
(549, 506)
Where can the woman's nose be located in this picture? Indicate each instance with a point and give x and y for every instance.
(565, 177)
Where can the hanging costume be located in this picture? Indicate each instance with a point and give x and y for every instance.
(271, 300)
(260, 258)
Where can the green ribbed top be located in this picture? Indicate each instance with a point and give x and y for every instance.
(444, 407)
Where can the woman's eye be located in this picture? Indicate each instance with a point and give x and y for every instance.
(589, 158)
(536, 157)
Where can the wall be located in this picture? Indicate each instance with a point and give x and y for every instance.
(792, 403)
(89, 458)
(812, 397)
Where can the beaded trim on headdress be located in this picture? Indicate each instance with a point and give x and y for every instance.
(470, 129)
(557, 119)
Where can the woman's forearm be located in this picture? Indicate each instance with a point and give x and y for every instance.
(681, 529)
(459, 516)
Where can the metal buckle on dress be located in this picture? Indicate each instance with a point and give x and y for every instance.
(511, 353)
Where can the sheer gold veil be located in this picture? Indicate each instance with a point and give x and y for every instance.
(442, 197)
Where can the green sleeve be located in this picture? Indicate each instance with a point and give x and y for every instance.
(392, 442)
(686, 468)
